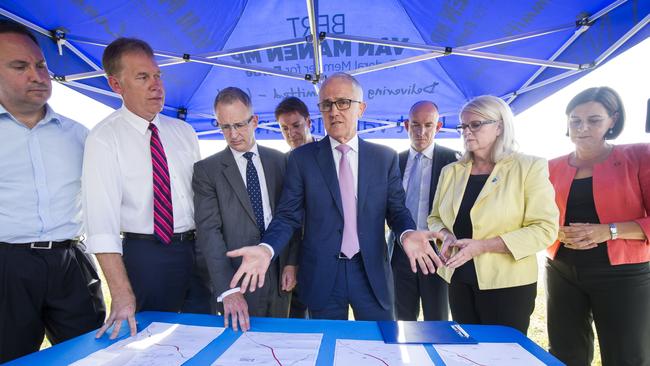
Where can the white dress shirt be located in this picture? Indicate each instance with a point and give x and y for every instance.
(241, 164)
(426, 164)
(117, 183)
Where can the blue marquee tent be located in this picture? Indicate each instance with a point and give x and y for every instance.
(402, 51)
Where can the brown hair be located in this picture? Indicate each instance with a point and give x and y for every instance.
(8, 26)
(609, 99)
(111, 60)
(292, 104)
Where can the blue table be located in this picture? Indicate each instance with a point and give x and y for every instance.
(80, 347)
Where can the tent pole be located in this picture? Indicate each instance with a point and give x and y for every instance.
(386, 65)
(515, 38)
(622, 40)
(312, 12)
(456, 51)
(545, 82)
(25, 22)
(584, 26)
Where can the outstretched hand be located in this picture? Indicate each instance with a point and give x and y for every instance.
(255, 262)
(420, 252)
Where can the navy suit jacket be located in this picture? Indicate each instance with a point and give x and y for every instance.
(311, 190)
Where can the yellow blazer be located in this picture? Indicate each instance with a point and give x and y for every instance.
(517, 203)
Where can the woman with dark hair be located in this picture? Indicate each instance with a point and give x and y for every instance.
(599, 268)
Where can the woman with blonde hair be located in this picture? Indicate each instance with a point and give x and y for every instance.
(496, 209)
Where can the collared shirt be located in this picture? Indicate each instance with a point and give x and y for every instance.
(40, 178)
(425, 184)
(117, 177)
(241, 164)
(353, 159)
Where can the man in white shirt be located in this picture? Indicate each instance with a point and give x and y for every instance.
(137, 176)
(420, 168)
(48, 285)
(235, 193)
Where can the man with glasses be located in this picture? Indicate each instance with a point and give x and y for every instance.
(420, 168)
(345, 190)
(235, 193)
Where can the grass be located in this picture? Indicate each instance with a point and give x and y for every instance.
(536, 331)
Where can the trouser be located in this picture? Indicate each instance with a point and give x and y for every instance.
(53, 292)
(616, 298)
(161, 274)
(510, 306)
(411, 287)
(352, 288)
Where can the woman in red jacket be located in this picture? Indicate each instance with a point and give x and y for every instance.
(599, 268)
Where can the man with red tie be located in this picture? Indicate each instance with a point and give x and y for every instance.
(137, 182)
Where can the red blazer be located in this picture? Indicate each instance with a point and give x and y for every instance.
(621, 187)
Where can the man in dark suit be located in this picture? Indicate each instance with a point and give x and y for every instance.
(420, 168)
(345, 189)
(235, 193)
(292, 115)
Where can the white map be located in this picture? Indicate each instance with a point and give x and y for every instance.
(486, 354)
(272, 349)
(377, 353)
(158, 344)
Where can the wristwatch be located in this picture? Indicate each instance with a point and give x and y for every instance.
(613, 231)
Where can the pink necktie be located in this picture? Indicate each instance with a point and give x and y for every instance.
(163, 214)
(350, 244)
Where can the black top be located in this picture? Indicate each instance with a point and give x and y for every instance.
(463, 225)
(580, 208)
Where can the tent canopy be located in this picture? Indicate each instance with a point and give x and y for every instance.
(401, 51)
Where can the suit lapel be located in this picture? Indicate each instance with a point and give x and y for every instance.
(438, 164)
(403, 158)
(494, 180)
(269, 176)
(461, 177)
(231, 172)
(364, 176)
(328, 170)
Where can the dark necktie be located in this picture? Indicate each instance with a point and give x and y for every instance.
(163, 213)
(254, 191)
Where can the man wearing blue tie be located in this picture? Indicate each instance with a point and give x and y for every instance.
(420, 168)
(346, 189)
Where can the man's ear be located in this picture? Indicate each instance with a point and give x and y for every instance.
(406, 125)
(438, 126)
(114, 83)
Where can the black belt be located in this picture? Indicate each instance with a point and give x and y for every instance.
(65, 244)
(186, 236)
(357, 255)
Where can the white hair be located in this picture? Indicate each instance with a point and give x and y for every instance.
(495, 109)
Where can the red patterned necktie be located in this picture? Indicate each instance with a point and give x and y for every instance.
(163, 214)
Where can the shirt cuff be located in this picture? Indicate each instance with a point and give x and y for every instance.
(402, 235)
(103, 243)
(226, 293)
(269, 248)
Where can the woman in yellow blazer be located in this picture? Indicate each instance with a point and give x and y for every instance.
(496, 209)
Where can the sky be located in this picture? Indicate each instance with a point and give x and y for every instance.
(539, 131)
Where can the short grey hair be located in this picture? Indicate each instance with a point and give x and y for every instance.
(347, 77)
(495, 109)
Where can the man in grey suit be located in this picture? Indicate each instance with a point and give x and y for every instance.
(235, 192)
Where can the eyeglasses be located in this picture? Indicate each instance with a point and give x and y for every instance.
(591, 123)
(473, 125)
(235, 126)
(341, 104)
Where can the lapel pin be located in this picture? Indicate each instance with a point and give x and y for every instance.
(494, 180)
